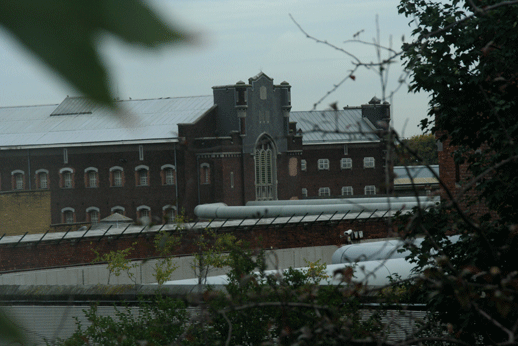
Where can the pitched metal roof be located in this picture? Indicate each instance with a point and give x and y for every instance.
(79, 121)
(340, 126)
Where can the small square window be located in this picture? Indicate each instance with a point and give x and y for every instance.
(368, 162)
(346, 163)
(324, 192)
(323, 164)
(347, 191)
(370, 190)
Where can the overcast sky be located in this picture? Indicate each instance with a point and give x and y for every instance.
(235, 41)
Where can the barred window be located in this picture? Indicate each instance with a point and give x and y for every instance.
(168, 173)
(116, 176)
(42, 179)
(303, 165)
(91, 177)
(142, 175)
(68, 215)
(205, 173)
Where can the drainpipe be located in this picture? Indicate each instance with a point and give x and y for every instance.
(176, 179)
(243, 172)
(198, 178)
(29, 168)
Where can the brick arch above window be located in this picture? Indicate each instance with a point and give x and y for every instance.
(42, 178)
(93, 215)
(168, 174)
(18, 179)
(143, 211)
(91, 177)
(66, 178)
(142, 175)
(118, 209)
(117, 176)
(169, 213)
(68, 215)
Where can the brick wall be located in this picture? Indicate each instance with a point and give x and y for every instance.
(455, 176)
(73, 252)
(24, 211)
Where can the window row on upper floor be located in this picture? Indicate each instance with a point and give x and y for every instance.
(346, 191)
(93, 214)
(116, 177)
(345, 163)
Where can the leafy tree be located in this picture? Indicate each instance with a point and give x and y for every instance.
(118, 262)
(423, 151)
(65, 35)
(465, 56)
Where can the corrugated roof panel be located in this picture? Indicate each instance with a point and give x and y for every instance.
(333, 126)
(136, 120)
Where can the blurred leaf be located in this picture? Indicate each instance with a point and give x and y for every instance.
(65, 34)
(9, 330)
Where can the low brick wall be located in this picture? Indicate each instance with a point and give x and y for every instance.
(54, 253)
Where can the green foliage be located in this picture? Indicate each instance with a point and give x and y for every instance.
(212, 251)
(155, 324)
(416, 150)
(9, 331)
(165, 244)
(466, 57)
(118, 262)
(65, 35)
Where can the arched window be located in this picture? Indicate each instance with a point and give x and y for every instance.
(265, 169)
(144, 211)
(91, 177)
(169, 213)
(116, 176)
(66, 178)
(68, 215)
(92, 214)
(42, 179)
(142, 175)
(18, 179)
(168, 174)
(205, 173)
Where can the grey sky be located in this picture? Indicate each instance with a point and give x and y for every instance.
(235, 41)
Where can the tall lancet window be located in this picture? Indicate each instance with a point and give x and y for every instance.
(265, 169)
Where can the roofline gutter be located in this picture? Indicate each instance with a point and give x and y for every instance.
(96, 144)
(342, 142)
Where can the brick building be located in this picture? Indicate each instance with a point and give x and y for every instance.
(156, 157)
